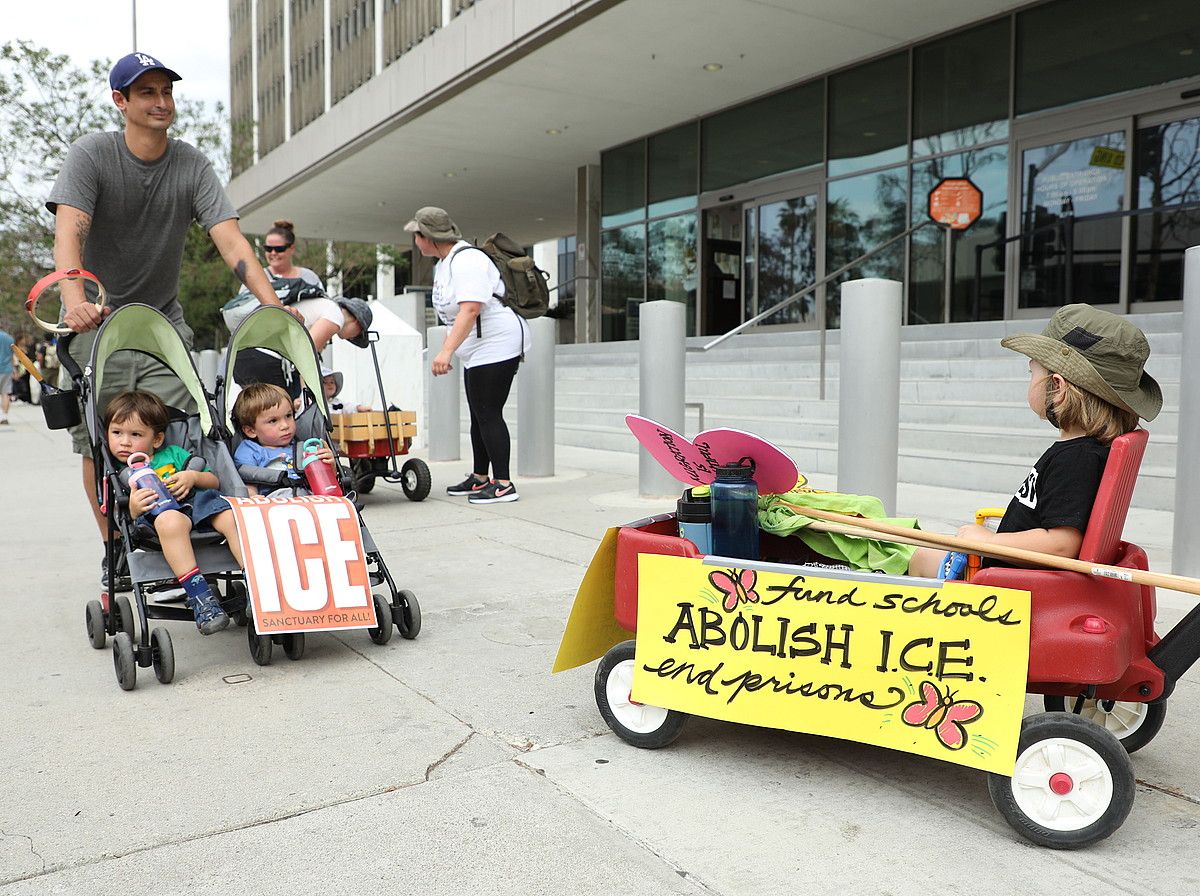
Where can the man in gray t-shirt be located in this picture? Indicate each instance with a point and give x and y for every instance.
(123, 204)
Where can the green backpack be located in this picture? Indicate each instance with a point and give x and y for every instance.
(525, 284)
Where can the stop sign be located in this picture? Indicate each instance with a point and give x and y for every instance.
(955, 203)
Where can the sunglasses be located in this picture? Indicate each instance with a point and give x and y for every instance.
(269, 248)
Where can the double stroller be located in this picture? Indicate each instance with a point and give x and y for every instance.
(133, 560)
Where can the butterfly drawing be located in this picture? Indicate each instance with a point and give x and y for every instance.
(737, 587)
(945, 715)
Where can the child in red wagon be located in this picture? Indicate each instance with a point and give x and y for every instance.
(136, 422)
(1088, 380)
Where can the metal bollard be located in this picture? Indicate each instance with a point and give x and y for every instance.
(1185, 544)
(535, 402)
(207, 368)
(444, 396)
(869, 390)
(660, 385)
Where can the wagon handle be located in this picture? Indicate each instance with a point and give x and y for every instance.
(394, 475)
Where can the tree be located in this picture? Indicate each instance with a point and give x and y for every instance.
(46, 102)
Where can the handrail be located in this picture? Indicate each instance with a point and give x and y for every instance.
(810, 288)
(820, 305)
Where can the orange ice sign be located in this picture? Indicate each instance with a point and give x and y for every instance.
(306, 568)
(955, 203)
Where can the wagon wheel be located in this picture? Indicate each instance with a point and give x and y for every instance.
(1133, 724)
(648, 727)
(416, 479)
(1072, 785)
(364, 474)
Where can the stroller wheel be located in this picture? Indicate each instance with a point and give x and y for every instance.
(93, 616)
(260, 645)
(363, 472)
(293, 645)
(122, 613)
(1072, 786)
(237, 592)
(383, 615)
(408, 615)
(1133, 724)
(415, 479)
(162, 655)
(124, 662)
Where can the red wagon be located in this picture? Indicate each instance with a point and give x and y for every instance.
(1094, 655)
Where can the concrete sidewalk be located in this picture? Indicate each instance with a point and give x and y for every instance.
(456, 763)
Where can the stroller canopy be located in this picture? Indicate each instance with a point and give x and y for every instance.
(141, 328)
(273, 328)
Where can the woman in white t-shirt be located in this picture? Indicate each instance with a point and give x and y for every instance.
(488, 338)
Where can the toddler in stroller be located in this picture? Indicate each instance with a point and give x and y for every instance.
(264, 428)
(266, 419)
(136, 423)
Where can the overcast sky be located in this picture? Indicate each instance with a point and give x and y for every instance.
(190, 37)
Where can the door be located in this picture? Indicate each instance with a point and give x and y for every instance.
(1063, 177)
(781, 257)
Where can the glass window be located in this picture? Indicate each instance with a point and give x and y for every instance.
(960, 90)
(777, 133)
(868, 115)
(1166, 172)
(1063, 261)
(861, 214)
(1077, 49)
(671, 270)
(977, 294)
(787, 257)
(623, 184)
(672, 170)
(623, 283)
(566, 268)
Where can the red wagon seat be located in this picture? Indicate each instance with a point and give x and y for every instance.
(1087, 630)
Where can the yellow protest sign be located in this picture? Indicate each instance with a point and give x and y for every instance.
(592, 628)
(935, 671)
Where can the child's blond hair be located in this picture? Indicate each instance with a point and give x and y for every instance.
(1078, 409)
(255, 399)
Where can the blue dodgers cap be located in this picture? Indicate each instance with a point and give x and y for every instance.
(129, 68)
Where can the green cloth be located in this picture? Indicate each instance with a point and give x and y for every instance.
(870, 554)
(859, 553)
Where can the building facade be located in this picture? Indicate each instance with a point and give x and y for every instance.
(729, 154)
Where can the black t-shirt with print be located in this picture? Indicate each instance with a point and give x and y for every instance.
(1059, 491)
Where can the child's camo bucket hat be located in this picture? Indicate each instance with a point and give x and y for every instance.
(1097, 351)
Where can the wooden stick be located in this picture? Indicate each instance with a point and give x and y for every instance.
(904, 535)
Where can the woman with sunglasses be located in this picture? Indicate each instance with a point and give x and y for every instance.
(323, 317)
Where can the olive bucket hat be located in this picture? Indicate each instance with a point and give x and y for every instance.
(434, 223)
(1097, 351)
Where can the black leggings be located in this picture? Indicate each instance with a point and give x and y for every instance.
(487, 387)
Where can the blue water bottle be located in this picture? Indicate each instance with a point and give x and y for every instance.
(735, 511)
